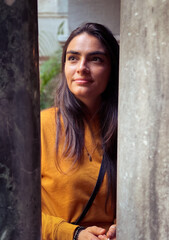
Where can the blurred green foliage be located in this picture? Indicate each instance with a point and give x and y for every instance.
(49, 74)
(60, 29)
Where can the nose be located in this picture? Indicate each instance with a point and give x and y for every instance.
(83, 66)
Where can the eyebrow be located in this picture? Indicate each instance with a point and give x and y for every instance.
(90, 53)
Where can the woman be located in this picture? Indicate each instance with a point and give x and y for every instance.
(77, 134)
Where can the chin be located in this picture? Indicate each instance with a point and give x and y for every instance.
(82, 94)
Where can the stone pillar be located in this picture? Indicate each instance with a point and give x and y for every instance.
(19, 121)
(143, 145)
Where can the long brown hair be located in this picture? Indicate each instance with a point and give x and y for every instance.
(72, 110)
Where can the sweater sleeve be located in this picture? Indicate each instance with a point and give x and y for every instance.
(55, 228)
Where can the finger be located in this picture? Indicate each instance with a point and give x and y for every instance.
(102, 237)
(112, 231)
(84, 234)
(96, 230)
(93, 237)
(112, 226)
(111, 235)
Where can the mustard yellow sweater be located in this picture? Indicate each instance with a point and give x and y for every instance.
(66, 192)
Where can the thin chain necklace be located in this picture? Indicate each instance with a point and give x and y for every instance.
(90, 154)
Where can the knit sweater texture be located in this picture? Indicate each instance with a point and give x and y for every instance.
(66, 190)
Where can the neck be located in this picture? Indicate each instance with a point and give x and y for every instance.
(92, 108)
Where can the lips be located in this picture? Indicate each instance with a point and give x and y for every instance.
(82, 80)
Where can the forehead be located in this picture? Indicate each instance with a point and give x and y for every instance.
(85, 42)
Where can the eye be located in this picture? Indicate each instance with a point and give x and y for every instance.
(72, 58)
(97, 59)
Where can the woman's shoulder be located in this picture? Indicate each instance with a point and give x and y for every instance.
(48, 113)
(48, 116)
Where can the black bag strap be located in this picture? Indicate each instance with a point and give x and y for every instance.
(94, 193)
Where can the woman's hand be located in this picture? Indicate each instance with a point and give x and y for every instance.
(91, 233)
(111, 233)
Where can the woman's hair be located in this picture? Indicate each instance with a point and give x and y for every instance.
(72, 110)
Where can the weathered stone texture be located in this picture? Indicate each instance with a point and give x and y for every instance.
(19, 121)
(143, 152)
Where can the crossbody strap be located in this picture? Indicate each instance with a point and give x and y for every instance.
(94, 193)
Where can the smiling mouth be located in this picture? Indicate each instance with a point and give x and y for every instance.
(82, 81)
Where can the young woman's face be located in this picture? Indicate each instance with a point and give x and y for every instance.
(87, 68)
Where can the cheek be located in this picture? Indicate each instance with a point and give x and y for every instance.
(69, 72)
(107, 77)
(67, 75)
(104, 76)
(66, 71)
(104, 79)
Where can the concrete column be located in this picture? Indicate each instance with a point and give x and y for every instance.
(19, 121)
(143, 145)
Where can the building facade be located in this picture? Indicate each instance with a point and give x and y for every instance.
(57, 18)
